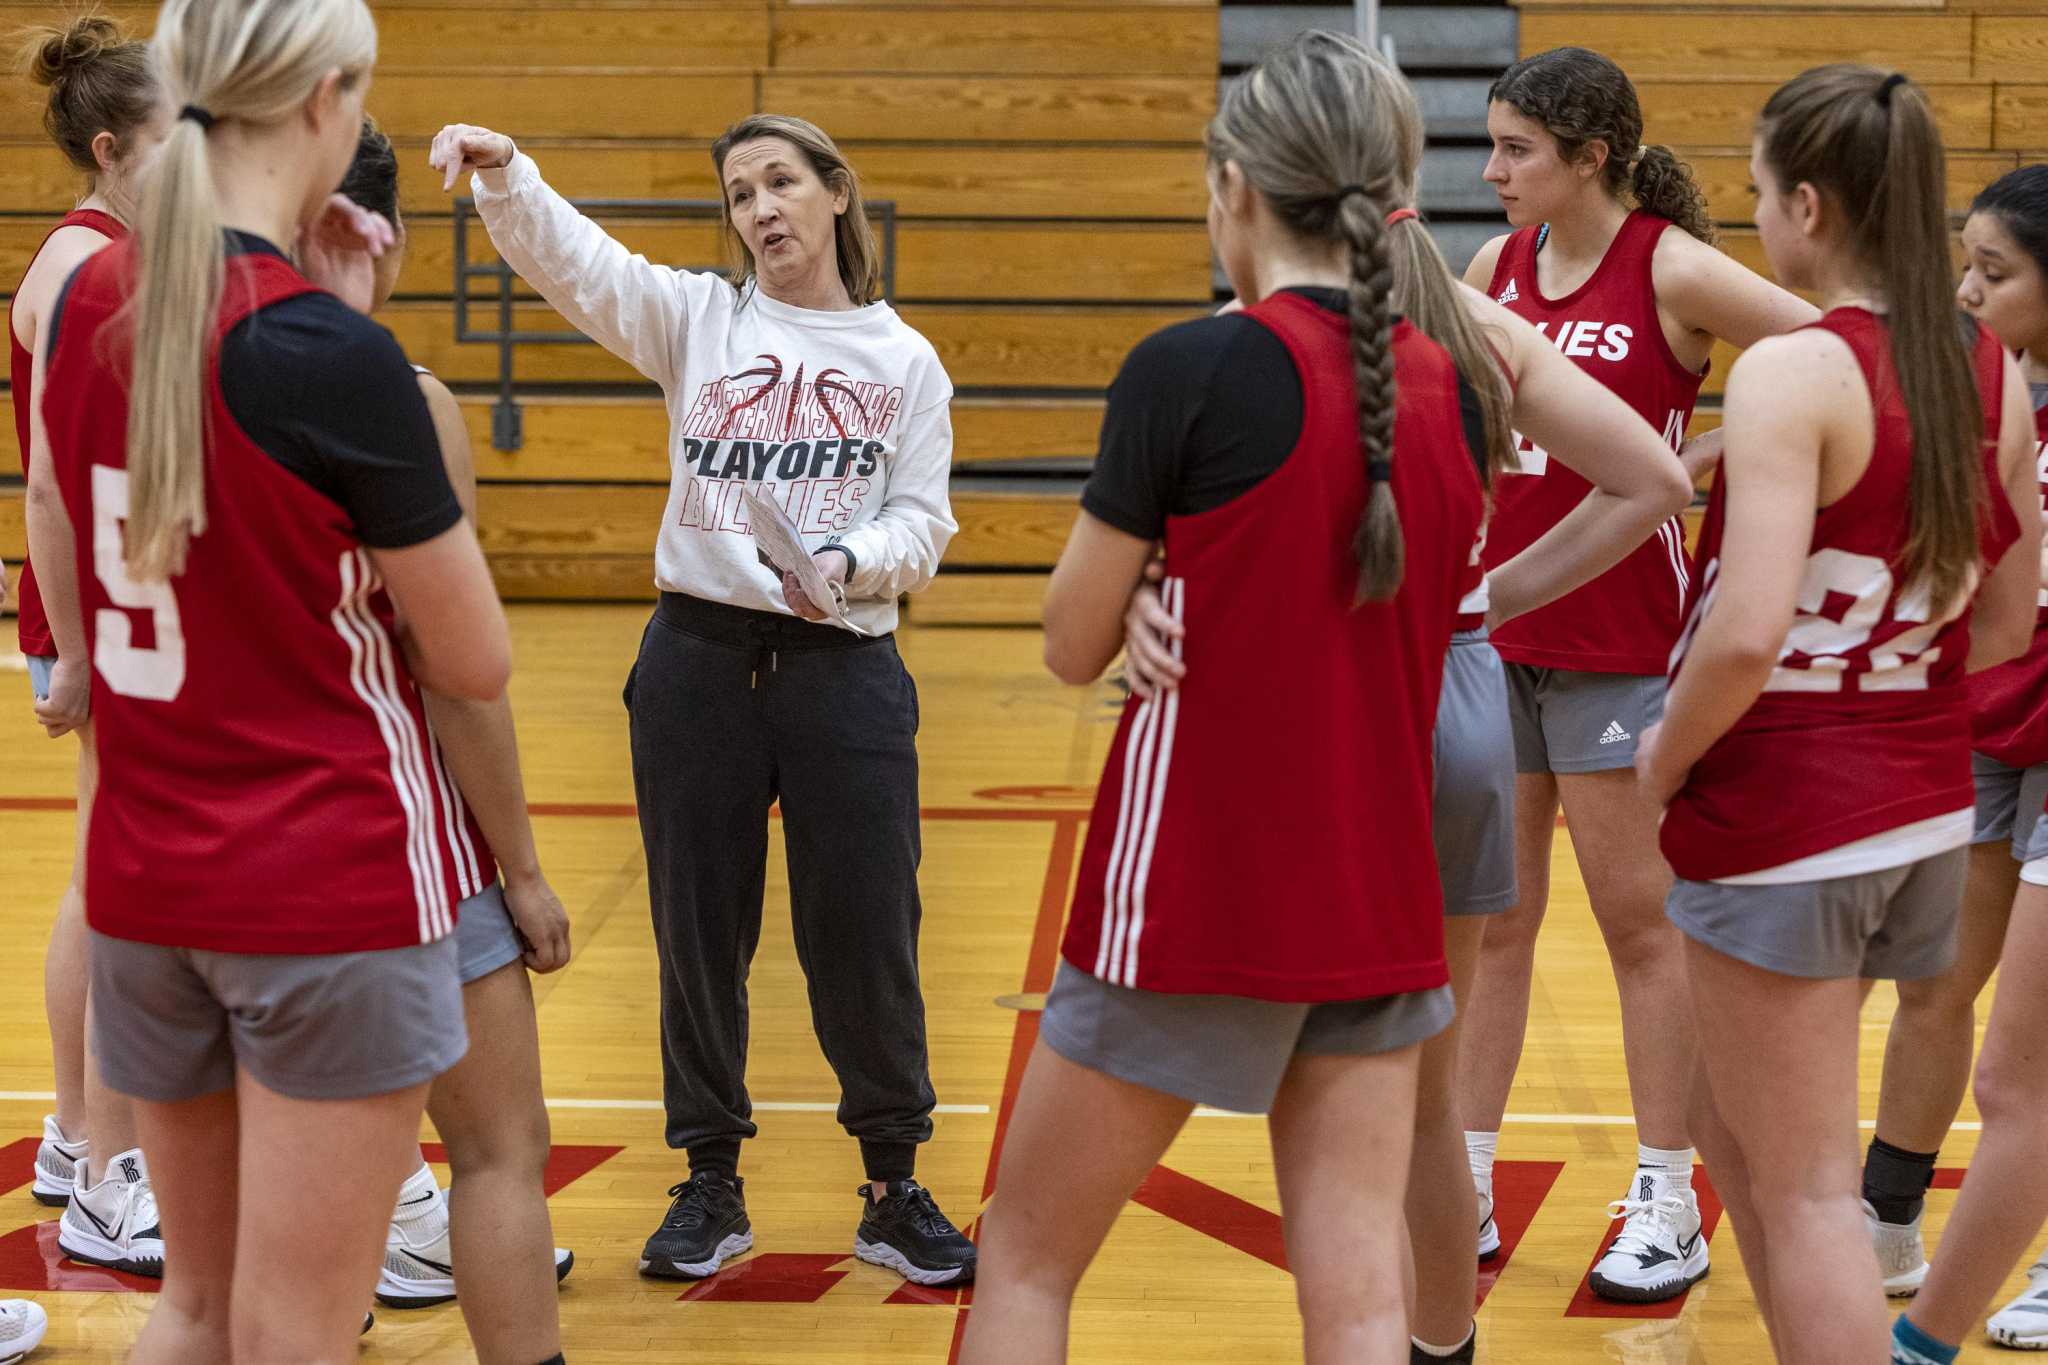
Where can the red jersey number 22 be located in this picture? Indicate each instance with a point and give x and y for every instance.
(153, 673)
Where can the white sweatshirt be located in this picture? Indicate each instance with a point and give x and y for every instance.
(840, 417)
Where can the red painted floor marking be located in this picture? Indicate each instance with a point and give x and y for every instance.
(772, 1277)
(1215, 1213)
(1519, 1189)
(1038, 973)
(31, 1262)
(567, 1163)
(1587, 1304)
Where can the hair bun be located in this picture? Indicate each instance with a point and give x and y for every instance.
(53, 54)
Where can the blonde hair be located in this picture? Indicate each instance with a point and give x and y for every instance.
(253, 61)
(860, 260)
(1330, 134)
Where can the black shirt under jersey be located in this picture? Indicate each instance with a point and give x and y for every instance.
(328, 394)
(1201, 413)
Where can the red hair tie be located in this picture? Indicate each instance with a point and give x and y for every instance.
(1401, 216)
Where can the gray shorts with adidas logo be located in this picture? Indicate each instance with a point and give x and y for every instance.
(1570, 722)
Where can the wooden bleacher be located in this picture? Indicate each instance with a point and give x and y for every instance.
(1046, 166)
(1044, 160)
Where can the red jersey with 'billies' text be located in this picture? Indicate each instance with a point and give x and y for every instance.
(1864, 725)
(1625, 620)
(268, 783)
(1263, 830)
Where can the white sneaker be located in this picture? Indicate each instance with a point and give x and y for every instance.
(1660, 1252)
(2023, 1323)
(1489, 1230)
(22, 1326)
(56, 1165)
(418, 1270)
(114, 1223)
(1901, 1253)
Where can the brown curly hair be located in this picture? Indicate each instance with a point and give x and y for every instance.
(1581, 98)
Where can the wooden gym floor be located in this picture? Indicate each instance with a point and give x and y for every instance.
(1191, 1271)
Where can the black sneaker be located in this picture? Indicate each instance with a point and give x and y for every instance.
(907, 1233)
(706, 1226)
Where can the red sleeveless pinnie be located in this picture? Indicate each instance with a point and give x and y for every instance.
(2011, 700)
(1864, 726)
(1263, 831)
(268, 783)
(32, 626)
(1625, 620)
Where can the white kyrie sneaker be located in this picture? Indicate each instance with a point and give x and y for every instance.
(57, 1161)
(1901, 1253)
(22, 1326)
(114, 1223)
(1489, 1230)
(418, 1270)
(1660, 1252)
(2023, 1323)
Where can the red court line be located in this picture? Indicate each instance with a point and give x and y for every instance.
(1038, 974)
(1519, 1189)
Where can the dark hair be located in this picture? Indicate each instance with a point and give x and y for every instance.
(1580, 98)
(860, 260)
(1868, 143)
(99, 80)
(372, 179)
(2019, 200)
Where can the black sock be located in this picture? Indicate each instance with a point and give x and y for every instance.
(1895, 1181)
(555, 1359)
(720, 1158)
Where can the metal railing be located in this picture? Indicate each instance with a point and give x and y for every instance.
(507, 423)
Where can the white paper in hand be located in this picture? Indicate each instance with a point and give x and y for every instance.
(783, 546)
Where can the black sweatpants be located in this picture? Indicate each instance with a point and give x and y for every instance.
(731, 711)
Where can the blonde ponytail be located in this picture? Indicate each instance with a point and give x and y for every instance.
(255, 61)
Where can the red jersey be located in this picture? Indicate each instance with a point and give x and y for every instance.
(31, 624)
(1626, 620)
(2011, 700)
(267, 782)
(1263, 831)
(1864, 726)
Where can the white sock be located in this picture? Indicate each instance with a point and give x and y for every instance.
(1444, 1352)
(1479, 1152)
(416, 1196)
(1674, 1165)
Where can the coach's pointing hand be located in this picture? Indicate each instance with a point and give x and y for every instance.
(464, 147)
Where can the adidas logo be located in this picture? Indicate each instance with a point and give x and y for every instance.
(1509, 294)
(1614, 734)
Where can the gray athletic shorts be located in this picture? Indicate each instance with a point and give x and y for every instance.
(171, 1024)
(2009, 802)
(39, 667)
(1222, 1050)
(1473, 813)
(484, 937)
(1896, 924)
(1570, 722)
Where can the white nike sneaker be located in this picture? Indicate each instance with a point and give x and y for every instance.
(22, 1326)
(2023, 1323)
(418, 1270)
(1901, 1253)
(114, 1223)
(57, 1161)
(1660, 1252)
(1489, 1230)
